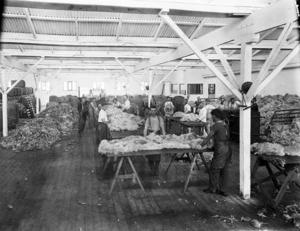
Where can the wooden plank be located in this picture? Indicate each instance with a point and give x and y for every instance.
(227, 67)
(188, 8)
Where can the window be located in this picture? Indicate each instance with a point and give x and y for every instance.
(98, 86)
(44, 85)
(144, 85)
(174, 88)
(182, 89)
(211, 90)
(121, 85)
(70, 86)
(195, 89)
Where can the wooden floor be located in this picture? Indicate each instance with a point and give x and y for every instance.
(63, 189)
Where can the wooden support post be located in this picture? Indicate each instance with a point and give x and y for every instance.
(4, 101)
(37, 93)
(150, 82)
(245, 126)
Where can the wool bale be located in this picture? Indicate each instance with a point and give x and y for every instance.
(64, 99)
(52, 103)
(74, 101)
(53, 98)
(21, 84)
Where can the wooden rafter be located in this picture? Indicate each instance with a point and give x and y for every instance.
(29, 21)
(119, 30)
(271, 58)
(198, 29)
(158, 30)
(227, 67)
(238, 29)
(201, 56)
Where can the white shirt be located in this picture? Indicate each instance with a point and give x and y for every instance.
(102, 116)
(203, 114)
(209, 108)
(126, 104)
(187, 108)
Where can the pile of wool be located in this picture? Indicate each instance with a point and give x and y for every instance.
(65, 114)
(38, 134)
(150, 142)
(120, 121)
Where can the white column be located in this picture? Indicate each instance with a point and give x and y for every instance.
(4, 102)
(37, 93)
(150, 83)
(245, 126)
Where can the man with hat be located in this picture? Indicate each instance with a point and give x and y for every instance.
(154, 124)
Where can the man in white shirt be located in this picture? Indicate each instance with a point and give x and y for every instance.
(202, 112)
(126, 104)
(102, 115)
(102, 130)
(187, 107)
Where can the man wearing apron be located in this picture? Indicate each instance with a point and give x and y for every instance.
(154, 124)
(219, 167)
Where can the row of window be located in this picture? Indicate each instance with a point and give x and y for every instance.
(97, 86)
(192, 89)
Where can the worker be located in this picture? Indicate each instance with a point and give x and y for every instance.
(102, 130)
(116, 103)
(126, 104)
(90, 95)
(169, 111)
(198, 101)
(154, 124)
(254, 106)
(187, 107)
(219, 167)
(222, 103)
(233, 104)
(202, 112)
(209, 120)
(83, 114)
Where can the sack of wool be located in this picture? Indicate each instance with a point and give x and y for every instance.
(53, 98)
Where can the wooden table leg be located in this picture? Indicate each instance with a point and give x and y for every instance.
(190, 173)
(106, 164)
(135, 173)
(116, 175)
(283, 188)
(173, 157)
(274, 179)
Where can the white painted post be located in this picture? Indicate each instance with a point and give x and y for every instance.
(245, 126)
(4, 102)
(37, 93)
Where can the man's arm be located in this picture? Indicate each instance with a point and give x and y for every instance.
(209, 136)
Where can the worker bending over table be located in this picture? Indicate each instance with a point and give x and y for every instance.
(154, 124)
(219, 167)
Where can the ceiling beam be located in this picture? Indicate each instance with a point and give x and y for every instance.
(76, 30)
(199, 28)
(274, 15)
(189, 7)
(158, 30)
(110, 41)
(29, 21)
(119, 30)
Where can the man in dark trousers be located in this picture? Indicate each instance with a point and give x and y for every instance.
(83, 109)
(219, 169)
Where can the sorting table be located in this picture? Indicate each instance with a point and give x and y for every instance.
(127, 156)
(286, 165)
(184, 125)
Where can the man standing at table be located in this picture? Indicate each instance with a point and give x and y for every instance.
(102, 130)
(187, 107)
(219, 167)
(126, 104)
(154, 124)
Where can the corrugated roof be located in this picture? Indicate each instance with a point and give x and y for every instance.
(97, 28)
(138, 30)
(15, 25)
